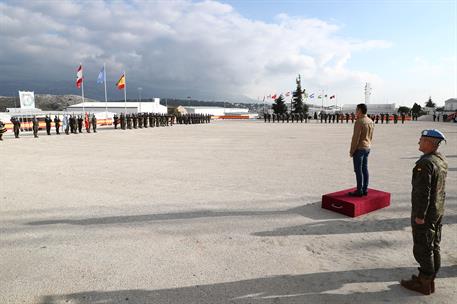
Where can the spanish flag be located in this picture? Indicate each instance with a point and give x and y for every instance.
(121, 82)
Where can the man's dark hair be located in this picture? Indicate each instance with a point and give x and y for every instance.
(362, 107)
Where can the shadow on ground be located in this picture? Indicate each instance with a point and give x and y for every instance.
(308, 288)
(312, 211)
(346, 227)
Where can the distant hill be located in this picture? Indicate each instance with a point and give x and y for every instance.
(46, 102)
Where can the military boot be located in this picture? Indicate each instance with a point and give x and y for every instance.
(432, 285)
(419, 283)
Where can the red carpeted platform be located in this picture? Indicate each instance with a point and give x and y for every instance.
(341, 202)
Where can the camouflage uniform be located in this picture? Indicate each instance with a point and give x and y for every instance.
(427, 198)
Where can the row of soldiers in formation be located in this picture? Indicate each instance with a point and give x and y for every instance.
(436, 117)
(140, 120)
(69, 123)
(329, 118)
(340, 117)
(74, 123)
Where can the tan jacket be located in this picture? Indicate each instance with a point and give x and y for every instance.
(363, 134)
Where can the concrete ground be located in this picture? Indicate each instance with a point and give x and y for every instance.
(222, 213)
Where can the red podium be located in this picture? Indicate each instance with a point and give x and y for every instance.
(342, 203)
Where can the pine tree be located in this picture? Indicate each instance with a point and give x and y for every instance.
(430, 103)
(297, 100)
(279, 107)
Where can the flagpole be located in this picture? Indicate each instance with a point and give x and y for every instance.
(125, 93)
(82, 85)
(106, 95)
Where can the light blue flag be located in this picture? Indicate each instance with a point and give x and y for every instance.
(101, 76)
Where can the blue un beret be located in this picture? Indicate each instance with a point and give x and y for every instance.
(433, 133)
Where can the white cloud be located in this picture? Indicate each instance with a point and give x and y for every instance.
(205, 46)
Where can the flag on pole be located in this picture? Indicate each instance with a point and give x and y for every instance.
(120, 84)
(320, 96)
(311, 96)
(333, 96)
(79, 77)
(101, 76)
(273, 96)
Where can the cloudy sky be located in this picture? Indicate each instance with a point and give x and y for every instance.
(230, 49)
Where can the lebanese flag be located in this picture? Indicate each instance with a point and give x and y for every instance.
(79, 77)
(273, 96)
(121, 82)
(333, 96)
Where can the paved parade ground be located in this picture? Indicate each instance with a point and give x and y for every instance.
(227, 212)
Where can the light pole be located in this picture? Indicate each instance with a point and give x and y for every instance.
(139, 96)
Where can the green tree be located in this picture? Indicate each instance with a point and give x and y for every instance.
(279, 107)
(430, 103)
(297, 100)
(403, 109)
(416, 109)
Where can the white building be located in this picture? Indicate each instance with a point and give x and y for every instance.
(216, 111)
(120, 107)
(450, 105)
(385, 108)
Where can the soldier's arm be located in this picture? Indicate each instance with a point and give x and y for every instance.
(422, 180)
(355, 138)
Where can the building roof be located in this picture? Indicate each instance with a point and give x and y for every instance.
(110, 104)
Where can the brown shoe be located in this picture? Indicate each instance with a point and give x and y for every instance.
(421, 283)
(432, 285)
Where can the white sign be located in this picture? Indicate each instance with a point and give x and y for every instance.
(27, 99)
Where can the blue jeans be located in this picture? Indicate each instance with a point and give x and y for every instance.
(360, 159)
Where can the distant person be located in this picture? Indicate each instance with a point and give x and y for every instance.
(360, 149)
(16, 126)
(427, 200)
(36, 126)
(2, 129)
(94, 123)
(57, 124)
(48, 121)
(66, 124)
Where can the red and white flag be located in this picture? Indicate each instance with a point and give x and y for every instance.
(333, 96)
(273, 96)
(79, 77)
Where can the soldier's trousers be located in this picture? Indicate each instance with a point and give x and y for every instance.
(426, 250)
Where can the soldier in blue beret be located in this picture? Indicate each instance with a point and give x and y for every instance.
(427, 200)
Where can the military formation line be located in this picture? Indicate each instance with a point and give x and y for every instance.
(330, 118)
(74, 124)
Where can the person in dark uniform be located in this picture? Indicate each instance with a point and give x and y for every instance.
(140, 121)
(151, 120)
(387, 118)
(352, 117)
(145, 120)
(347, 117)
(2, 130)
(80, 124)
(402, 118)
(57, 124)
(129, 117)
(333, 118)
(395, 118)
(48, 121)
(427, 200)
(94, 123)
(16, 126)
(122, 120)
(36, 126)
(115, 121)
(321, 115)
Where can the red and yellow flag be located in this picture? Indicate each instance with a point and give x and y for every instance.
(121, 82)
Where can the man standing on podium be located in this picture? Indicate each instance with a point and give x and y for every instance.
(427, 200)
(360, 149)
